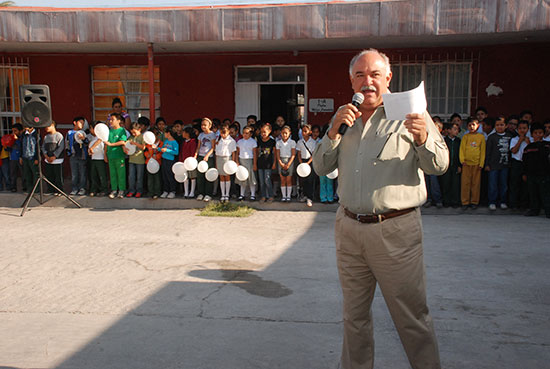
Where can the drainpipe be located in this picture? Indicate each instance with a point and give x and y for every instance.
(151, 69)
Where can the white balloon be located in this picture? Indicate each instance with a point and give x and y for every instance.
(190, 163)
(181, 177)
(153, 166)
(333, 174)
(230, 167)
(242, 173)
(303, 170)
(203, 166)
(211, 174)
(178, 168)
(77, 138)
(149, 138)
(102, 132)
(131, 148)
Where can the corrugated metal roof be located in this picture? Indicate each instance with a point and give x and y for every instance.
(420, 19)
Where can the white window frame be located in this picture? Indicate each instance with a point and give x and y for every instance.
(271, 82)
(13, 115)
(444, 115)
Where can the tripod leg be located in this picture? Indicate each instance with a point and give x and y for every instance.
(29, 196)
(61, 192)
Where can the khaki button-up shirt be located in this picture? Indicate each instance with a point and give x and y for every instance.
(380, 168)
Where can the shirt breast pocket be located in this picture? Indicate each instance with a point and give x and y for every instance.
(394, 147)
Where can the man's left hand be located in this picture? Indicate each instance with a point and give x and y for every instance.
(416, 125)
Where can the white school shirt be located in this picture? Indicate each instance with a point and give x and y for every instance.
(246, 148)
(285, 148)
(226, 146)
(301, 146)
(518, 155)
(97, 152)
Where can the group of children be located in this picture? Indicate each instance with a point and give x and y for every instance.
(503, 161)
(125, 165)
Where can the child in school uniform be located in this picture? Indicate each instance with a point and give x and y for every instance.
(205, 151)
(285, 154)
(518, 187)
(4, 166)
(98, 166)
(226, 149)
(247, 156)
(170, 152)
(154, 185)
(188, 149)
(306, 146)
(472, 159)
(136, 162)
(52, 149)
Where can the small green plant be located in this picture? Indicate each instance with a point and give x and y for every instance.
(226, 209)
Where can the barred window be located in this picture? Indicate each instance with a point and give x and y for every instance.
(13, 73)
(130, 84)
(447, 85)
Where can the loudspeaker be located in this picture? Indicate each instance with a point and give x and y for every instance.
(36, 109)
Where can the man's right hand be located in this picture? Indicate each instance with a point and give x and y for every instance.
(346, 114)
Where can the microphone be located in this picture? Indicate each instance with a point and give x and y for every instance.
(356, 100)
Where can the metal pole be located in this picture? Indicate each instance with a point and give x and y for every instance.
(151, 67)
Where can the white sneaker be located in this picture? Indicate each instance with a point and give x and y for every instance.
(207, 198)
(112, 195)
(164, 194)
(503, 206)
(82, 192)
(200, 197)
(492, 207)
(309, 203)
(171, 195)
(73, 192)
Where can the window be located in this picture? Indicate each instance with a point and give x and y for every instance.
(12, 75)
(130, 84)
(447, 85)
(279, 73)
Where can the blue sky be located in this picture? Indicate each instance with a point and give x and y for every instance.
(149, 3)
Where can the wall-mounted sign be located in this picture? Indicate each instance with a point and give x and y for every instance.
(321, 105)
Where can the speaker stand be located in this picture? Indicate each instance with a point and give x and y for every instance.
(40, 180)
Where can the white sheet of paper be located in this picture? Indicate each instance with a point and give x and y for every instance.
(397, 105)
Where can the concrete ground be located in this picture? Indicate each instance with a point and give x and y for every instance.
(131, 289)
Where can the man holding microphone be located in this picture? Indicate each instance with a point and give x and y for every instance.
(378, 228)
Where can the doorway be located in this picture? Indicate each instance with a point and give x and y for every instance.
(286, 100)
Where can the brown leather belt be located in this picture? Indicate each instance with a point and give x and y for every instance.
(376, 218)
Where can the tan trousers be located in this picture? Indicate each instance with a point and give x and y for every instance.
(389, 253)
(470, 184)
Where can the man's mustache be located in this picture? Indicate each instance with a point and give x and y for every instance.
(368, 88)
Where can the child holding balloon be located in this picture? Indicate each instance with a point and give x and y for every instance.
(306, 146)
(134, 149)
(247, 156)
(226, 149)
(115, 157)
(170, 152)
(205, 151)
(152, 152)
(188, 149)
(98, 170)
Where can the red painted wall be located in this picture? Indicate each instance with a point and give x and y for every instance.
(195, 85)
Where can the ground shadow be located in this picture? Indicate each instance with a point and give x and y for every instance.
(284, 316)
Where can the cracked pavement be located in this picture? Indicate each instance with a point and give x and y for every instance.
(85, 288)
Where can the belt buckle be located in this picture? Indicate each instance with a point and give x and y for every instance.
(358, 217)
(379, 216)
